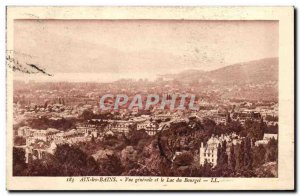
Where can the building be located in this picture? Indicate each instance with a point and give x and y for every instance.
(119, 126)
(246, 115)
(149, 126)
(64, 137)
(163, 117)
(267, 137)
(86, 129)
(25, 131)
(45, 135)
(209, 152)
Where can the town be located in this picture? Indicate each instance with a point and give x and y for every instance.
(56, 122)
(151, 100)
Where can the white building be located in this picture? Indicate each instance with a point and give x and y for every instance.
(267, 137)
(86, 129)
(120, 126)
(45, 135)
(25, 131)
(148, 126)
(209, 152)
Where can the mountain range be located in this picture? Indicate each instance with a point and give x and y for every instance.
(252, 72)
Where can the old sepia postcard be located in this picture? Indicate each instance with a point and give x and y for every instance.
(150, 98)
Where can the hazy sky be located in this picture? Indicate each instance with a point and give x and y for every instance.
(143, 47)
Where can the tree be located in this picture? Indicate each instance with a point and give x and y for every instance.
(93, 139)
(184, 159)
(271, 118)
(46, 104)
(19, 141)
(136, 135)
(107, 163)
(232, 158)
(169, 140)
(18, 161)
(222, 160)
(72, 159)
(228, 118)
(259, 154)
(37, 168)
(241, 155)
(92, 168)
(248, 155)
(234, 126)
(254, 130)
(195, 123)
(129, 158)
(87, 115)
(272, 150)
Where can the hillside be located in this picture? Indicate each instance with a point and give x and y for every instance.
(255, 72)
(259, 71)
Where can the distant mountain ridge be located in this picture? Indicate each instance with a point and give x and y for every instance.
(257, 71)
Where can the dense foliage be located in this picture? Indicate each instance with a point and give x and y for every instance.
(138, 154)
